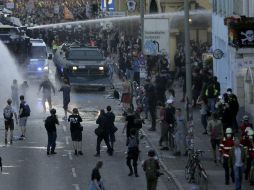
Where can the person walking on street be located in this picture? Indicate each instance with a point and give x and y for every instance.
(133, 152)
(76, 131)
(204, 111)
(24, 88)
(46, 87)
(215, 130)
(8, 114)
(181, 133)
(234, 108)
(249, 170)
(50, 125)
(15, 93)
(225, 146)
(66, 89)
(102, 121)
(237, 157)
(151, 167)
(110, 122)
(24, 113)
(168, 123)
(96, 182)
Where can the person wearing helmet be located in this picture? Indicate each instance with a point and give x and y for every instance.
(225, 146)
(151, 167)
(76, 131)
(50, 125)
(249, 171)
(245, 124)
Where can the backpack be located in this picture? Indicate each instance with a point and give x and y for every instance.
(151, 169)
(138, 121)
(132, 142)
(26, 110)
(8, 114)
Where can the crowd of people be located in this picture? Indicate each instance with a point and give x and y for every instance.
(49, 12)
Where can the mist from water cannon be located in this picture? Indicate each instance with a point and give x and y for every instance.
(171, 16)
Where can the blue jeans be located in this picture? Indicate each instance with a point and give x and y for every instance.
(211, 104)
(238, 177)
(51, 141)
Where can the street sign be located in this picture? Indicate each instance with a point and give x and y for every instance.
(111, 4)
(156, 36)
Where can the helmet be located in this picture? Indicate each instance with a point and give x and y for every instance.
(250, 132)
(151, 153)
(245, 118)
(53, 111)
(229, 130)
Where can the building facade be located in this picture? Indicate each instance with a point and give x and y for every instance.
(234, 36)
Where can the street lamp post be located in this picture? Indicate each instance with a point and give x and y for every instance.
(142, 17)
(187, 59)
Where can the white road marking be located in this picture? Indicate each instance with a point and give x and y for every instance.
(70, 155)
(64, 128)
(67, 140)
(74, 174)
(76, 186)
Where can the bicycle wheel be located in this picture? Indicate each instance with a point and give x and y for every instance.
(192, 173)
(187, 171)
(204, 180)
(197, 176)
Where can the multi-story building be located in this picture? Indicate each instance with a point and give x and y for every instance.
(233, 36)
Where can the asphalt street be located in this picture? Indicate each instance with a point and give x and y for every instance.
(27, 167)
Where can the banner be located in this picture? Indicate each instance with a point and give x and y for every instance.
(67, 14)
(156, 36)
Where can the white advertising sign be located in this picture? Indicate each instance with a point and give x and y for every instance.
(156, 36)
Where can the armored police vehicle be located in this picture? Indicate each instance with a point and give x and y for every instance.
(82, 66)
(37, 60)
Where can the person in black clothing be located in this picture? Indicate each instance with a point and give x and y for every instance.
(110, 122)
(96, 182)
(66, 89)
(133, 152)
(234, 108)
(102, 121)
(50, 125)
(46, 87)
(76, 131)
(1, 165)
(130, 117)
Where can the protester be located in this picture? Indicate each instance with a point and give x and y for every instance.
(96, 182)
(50, 125)
(215, 130)
(24, 113)
(204, 112)
(76, 131)
(151, 167)
(237, 157)
(234, 108)
(24, 88)
(8, 114)
(66, 89)
(104, 133)
(15, 93)
(112, 128)
(133, 152)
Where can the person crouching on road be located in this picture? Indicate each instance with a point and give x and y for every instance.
(225, 146)
(151, 167)
(133, 152)
(237, 157)
(50, 125)
(76, 131)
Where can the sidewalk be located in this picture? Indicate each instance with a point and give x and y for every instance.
(175, 165)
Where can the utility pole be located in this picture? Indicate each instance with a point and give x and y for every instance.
(142, 18)
(187, 59)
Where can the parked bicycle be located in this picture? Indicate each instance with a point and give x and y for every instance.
(194, 171)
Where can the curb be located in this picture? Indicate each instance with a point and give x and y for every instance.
(170, 174)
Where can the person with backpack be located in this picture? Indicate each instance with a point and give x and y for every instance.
(46, 87)
(151, 167)
(76, 131)
(50, 125)
(133, 152)
(8, 113)
(24, 113)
